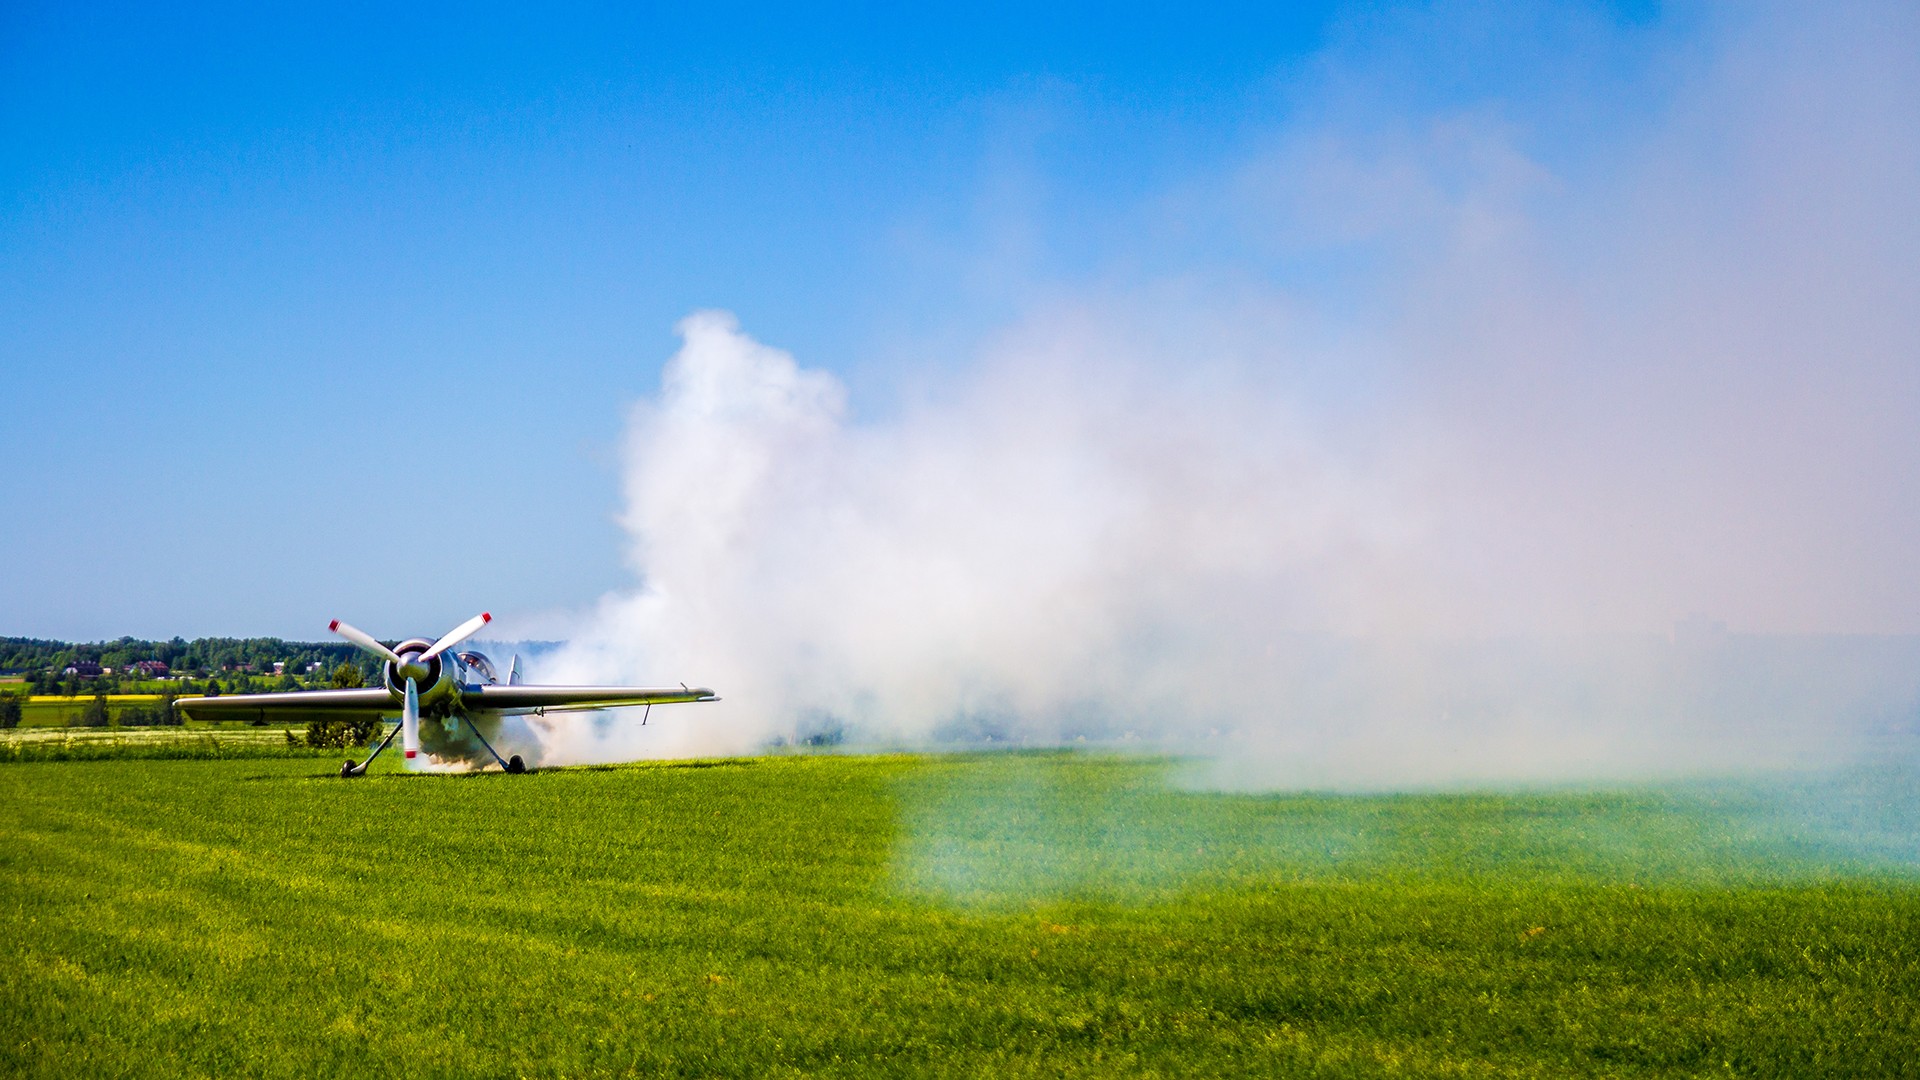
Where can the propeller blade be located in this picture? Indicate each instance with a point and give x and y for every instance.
(410, 721)
(362, 639)
(459, 634)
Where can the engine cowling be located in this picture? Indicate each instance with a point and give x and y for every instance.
(432, 685)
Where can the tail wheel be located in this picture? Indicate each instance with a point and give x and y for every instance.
(515, 765)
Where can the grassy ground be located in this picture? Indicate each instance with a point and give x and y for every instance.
(53, 710)
(58, 710)
(61, 710)
(997, 915)
(191, 741)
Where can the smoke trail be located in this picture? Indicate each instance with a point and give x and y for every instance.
(1437, 526)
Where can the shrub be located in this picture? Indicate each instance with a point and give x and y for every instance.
(341, 733)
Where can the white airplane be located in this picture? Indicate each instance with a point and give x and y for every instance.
(448, 703)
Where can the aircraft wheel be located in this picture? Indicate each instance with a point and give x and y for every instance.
(515, 765)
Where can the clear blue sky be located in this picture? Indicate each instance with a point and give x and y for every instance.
(338, 312)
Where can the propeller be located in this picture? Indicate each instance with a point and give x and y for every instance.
(412, 667)
(457, 635)
(364, 640)
(410, 721)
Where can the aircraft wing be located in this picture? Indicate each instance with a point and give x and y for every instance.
(293, 706)
(521, 698)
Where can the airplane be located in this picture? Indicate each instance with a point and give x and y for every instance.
(447, 702)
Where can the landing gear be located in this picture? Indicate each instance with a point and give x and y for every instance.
(350, 770)
(512, 765)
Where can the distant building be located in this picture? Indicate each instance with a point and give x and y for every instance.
(151, 669)
(279, 667)
(86, 669)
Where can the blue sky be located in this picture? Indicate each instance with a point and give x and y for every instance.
(316, 314)
(291, 298)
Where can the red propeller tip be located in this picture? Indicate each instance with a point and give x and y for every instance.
(334, 625)
(485, 617)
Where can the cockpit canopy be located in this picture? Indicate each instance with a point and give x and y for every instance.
(479, 664)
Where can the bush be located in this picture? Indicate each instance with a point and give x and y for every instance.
(9, 710)
(341, 733)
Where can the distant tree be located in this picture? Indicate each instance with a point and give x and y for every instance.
(9, 710)
(213, 687)
(95, 714)
(346, 676)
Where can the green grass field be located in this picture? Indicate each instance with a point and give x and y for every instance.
(59, 710)
(54, 710)
(190, 741)
(978, 915)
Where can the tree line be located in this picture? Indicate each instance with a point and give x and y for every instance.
(200, 654)
(203, 665)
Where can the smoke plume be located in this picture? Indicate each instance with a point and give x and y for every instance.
(1453, 458)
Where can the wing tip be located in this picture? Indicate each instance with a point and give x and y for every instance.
(334, 625)
(486, 616)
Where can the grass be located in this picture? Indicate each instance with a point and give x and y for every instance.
(63, 710)
(199, 741)
(1004, 915)
(54, 710)
(58, 710)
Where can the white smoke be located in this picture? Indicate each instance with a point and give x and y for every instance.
(1436, 527)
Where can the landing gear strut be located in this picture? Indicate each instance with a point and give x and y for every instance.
(351, 770)
(512, 765)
